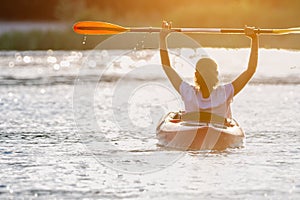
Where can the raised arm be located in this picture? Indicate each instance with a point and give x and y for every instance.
(164, 56)
(240, 82)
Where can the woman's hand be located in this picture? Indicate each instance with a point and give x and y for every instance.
(166, 29)
(250, 32)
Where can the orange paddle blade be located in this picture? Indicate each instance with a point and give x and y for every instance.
(97, 28)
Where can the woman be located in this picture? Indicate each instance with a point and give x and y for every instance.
(206, 95)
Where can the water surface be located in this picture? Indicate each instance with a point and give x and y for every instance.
(46, 153)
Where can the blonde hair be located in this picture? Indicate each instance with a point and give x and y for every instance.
(208, 71)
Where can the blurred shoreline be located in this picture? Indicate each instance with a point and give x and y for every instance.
(41, 35)
(26, 26)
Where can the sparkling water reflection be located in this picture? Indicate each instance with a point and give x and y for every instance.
(42, 156)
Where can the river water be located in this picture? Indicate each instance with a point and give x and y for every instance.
(81, 124)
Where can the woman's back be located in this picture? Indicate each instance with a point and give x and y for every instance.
(217, 103)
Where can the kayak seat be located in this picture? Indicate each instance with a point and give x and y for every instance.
(206, 118)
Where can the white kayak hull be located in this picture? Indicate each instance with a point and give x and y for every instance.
(188, 135)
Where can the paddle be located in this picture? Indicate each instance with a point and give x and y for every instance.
(104, 28)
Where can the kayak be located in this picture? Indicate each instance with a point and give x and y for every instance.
(200, 131)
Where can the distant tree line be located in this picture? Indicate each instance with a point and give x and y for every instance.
(56, 9)
(66, 9)
(27, 9)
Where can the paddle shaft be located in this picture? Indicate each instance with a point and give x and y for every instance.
(200, 30)
(104, 28)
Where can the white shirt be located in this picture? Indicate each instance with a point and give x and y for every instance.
(217, 103)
